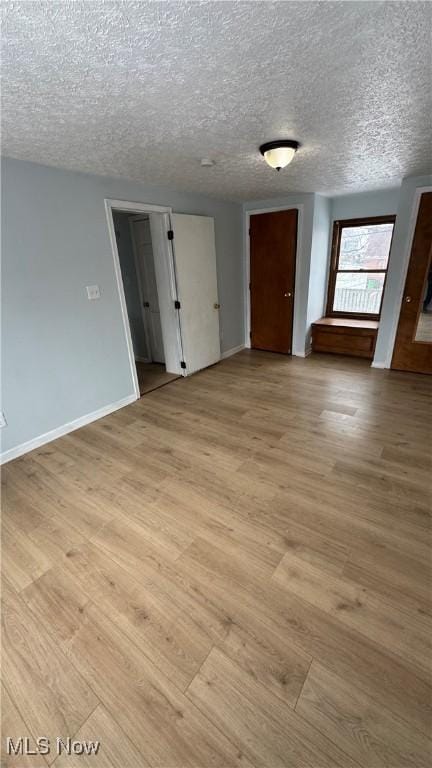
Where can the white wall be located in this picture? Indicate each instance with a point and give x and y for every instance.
(399, 257)
(382, 202)
(64, 357)
(319, 259)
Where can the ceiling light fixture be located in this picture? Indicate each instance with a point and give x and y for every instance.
(207, 162)
(278, 154)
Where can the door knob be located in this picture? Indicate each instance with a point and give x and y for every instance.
(216, 305)
(288, 294)
(408, 299)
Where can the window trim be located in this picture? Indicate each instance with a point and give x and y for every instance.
(338, 226)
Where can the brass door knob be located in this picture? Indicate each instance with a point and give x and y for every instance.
(408, 299)
(216, 305)
(288, 294)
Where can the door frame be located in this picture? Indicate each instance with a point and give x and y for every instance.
(300, 209)
(132, 207)
(404, 272)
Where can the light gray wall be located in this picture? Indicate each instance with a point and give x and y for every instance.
(303, 259)
(318, 263)
(382, 202)
(63, 356)
(130, 283)
(397, 268)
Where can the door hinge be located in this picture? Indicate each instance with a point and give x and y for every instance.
(182, 364)
(250, 334)
(250, 284)
(176, 305)
(170, 234)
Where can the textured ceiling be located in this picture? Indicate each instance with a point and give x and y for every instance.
(145, 89)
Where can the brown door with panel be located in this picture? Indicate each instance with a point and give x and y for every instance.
(273, 241)
(413, 344)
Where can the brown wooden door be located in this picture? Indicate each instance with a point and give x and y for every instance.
(273, 240)
(413, 345)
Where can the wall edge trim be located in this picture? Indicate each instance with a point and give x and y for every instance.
(232, 351)
(71, 426)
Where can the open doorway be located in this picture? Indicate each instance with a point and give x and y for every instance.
(179, 329)
(143, 280)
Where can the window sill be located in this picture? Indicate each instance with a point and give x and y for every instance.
(347, 322)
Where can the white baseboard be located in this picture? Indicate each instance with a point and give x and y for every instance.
(53, 434)
(378, 364)
(232, 351)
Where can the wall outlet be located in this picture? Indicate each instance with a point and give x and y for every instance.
(93, 292)
(3, 422)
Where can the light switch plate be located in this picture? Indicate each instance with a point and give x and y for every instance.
(93, 292)
(3, 422)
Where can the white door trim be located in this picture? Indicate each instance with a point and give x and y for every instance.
(130, 207)
(300, 208)
(403, 275)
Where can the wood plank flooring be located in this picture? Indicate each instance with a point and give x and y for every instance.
(233, 571)
(152, 375)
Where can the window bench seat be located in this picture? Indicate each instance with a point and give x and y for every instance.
(343, 336)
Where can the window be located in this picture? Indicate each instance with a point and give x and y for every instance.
(360, 254)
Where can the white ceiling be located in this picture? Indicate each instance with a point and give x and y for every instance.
(145, 89)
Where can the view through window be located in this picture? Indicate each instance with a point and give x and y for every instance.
(360, 256)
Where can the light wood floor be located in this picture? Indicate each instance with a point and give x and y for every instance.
(233, 571)
(152, 376)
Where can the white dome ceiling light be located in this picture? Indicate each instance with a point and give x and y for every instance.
(278, 154)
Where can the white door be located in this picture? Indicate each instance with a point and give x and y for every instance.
(195, 266)
(146, 266)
